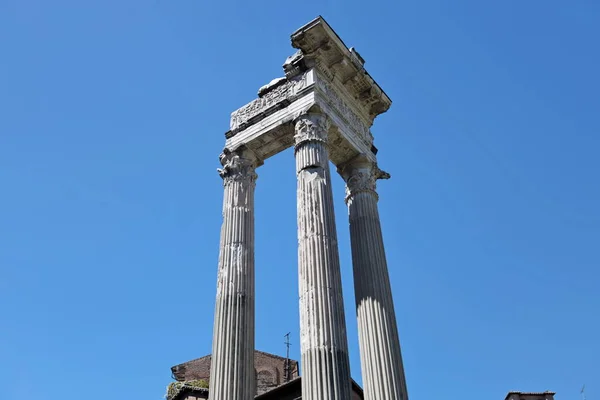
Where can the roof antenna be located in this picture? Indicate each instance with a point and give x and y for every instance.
(583, 393)
(287, 369)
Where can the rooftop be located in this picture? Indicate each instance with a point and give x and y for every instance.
(546, 393)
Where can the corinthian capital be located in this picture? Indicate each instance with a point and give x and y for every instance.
(311, 128)
(238, 165)
(361, 176)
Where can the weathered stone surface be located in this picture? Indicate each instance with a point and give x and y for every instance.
(233, 338)
(381, 359)
(323, 73)
(325, 85)
(271, 85)
(273, 96)
(324, 346)
(323, 49)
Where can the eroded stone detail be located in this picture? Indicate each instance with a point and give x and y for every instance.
(381, 359)
(324, 346)
(233, 331)
(236, 167)
(294, 64)
(322, 48)
(354, 121)
(311, 127)
(362, 177)
(281, 94)
(270, 86)
(325, 83)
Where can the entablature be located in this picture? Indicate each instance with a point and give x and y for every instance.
(323, 76)
(319, 46)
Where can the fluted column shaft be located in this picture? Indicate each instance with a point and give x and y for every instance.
(232, 365)
(324, 345)
(381, 358)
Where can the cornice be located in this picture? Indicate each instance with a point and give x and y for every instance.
(320, 47)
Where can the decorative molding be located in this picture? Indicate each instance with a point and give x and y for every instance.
(236, 167)
(323, 48)
(294, 65)
(353, 121)
(361, 176)
(270, 86)
(311, 128)
(280, 96)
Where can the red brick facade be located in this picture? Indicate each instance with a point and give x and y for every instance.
(269, 370)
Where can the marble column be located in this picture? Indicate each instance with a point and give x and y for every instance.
(232, 365)
(380, 355)
(324, 345)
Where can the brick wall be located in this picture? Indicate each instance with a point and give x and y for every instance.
(269, 370)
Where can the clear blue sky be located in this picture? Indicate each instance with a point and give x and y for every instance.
(112, 116)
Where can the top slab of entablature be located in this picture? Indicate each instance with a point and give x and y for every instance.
(322, 76)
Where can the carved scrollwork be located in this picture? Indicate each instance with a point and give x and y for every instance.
(311, 128)
(275, 94)
(362, 178)
(354, 121)
(236, 167)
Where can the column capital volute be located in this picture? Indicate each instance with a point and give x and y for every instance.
(361, 175)
(238, 165)
(311, 126)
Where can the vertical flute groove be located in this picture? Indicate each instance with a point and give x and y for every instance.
(324, 346)
(380, 353)
(232, 363)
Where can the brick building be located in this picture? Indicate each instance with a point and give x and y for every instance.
(270, 371)
(271, 383)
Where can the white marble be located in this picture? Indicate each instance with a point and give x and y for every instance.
(232, 369)
(325, 84)
(324, 346)
(380, 355)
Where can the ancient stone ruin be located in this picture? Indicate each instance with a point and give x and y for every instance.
(324, 107)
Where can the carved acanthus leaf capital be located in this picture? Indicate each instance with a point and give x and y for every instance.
(311, 127)
(238, 166)
(361, 176)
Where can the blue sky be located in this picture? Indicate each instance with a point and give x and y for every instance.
(112, 119)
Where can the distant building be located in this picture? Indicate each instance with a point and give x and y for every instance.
(293, 391)
(270, 371)
(530, 396)
(192, 378)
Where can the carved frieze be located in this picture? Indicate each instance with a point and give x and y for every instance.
(279, 97)
(321, 47)
(354, 121)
